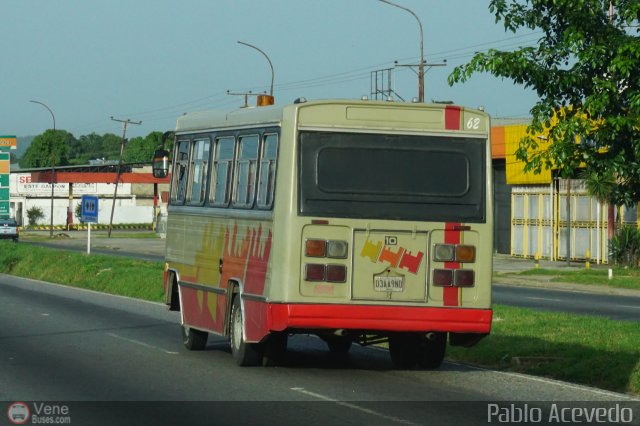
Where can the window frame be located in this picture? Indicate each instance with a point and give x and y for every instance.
(213, 180)
(176, 178)
(251, 178)
(205, 164)
(271, 177)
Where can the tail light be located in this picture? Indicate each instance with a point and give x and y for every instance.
(328, 273)
(332, 249)
(336, 273)
(453, 277)
(314, 272)
(315, 248)
(454, 253)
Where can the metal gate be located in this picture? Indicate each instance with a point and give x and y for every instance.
(539, 225)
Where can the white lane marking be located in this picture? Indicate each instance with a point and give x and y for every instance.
(544, 298)
(353, 406)
(137, 342)
(553, 382)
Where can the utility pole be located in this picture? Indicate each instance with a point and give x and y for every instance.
(119, 170)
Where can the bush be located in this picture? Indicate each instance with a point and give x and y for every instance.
(625, 246)
(34, 214)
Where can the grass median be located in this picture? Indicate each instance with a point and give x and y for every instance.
(109, 274)
(580, 349)
(621, 277)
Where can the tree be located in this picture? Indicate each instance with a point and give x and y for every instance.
(34, 215)
(140, 150)
(47, 149)
(585, 72)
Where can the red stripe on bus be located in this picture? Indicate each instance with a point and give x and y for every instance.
(452, 117)
(375, 317)
(451, 295)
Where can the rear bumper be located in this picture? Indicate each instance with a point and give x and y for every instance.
(378, 318)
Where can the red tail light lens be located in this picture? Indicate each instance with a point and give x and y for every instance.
(443, 277)
(463, 278)
(314, 272)
(336, 273)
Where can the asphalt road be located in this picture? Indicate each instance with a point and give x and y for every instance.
(64, 344)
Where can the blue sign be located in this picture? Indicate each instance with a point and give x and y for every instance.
(89, 209)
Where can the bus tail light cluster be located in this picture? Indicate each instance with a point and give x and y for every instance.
(327, 273)
(453, 277)
(454, 253)
(461, 253)
(332, 249)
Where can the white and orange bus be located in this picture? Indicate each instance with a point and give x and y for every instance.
(357, 221)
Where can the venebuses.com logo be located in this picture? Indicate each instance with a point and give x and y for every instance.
(18, 413)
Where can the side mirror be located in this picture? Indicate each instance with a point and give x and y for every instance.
(160, 164)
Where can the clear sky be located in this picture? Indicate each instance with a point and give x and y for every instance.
(152, 60)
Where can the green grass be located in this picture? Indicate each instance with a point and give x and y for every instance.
(622, 278)
(580, 349)
(109, 274)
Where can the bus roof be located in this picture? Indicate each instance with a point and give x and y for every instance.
(206, 120)
(273, 114)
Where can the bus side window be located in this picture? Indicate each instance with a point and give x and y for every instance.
(199, 167)
(179, 186)
(244, 192)
(221, 173)
(267, 178)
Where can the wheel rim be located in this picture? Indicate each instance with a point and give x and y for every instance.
(237, 329)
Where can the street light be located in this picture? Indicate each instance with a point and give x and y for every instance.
(421, 65)
(52, 162)
(270, 65)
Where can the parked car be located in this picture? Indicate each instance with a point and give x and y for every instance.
(9, 229)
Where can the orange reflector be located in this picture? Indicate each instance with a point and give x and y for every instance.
(336, 273)
(314, 248)
(313, 272)
(465, 253)
(442, 277)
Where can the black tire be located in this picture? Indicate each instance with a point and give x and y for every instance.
(434, 347)
(194, 340)
(245, 354)
(275, 349)
(405, 350)
(338, 345)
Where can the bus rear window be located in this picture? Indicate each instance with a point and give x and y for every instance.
(430, 178)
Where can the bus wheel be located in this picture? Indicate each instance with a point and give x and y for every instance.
(245, 354)
(405, 350)
(338, 345)
(194, 340)
(433, 348)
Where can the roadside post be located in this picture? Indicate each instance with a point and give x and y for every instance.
(89, 215)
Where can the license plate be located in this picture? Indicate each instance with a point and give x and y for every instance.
(381, 283)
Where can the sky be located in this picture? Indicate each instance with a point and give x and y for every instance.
(153, 60)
